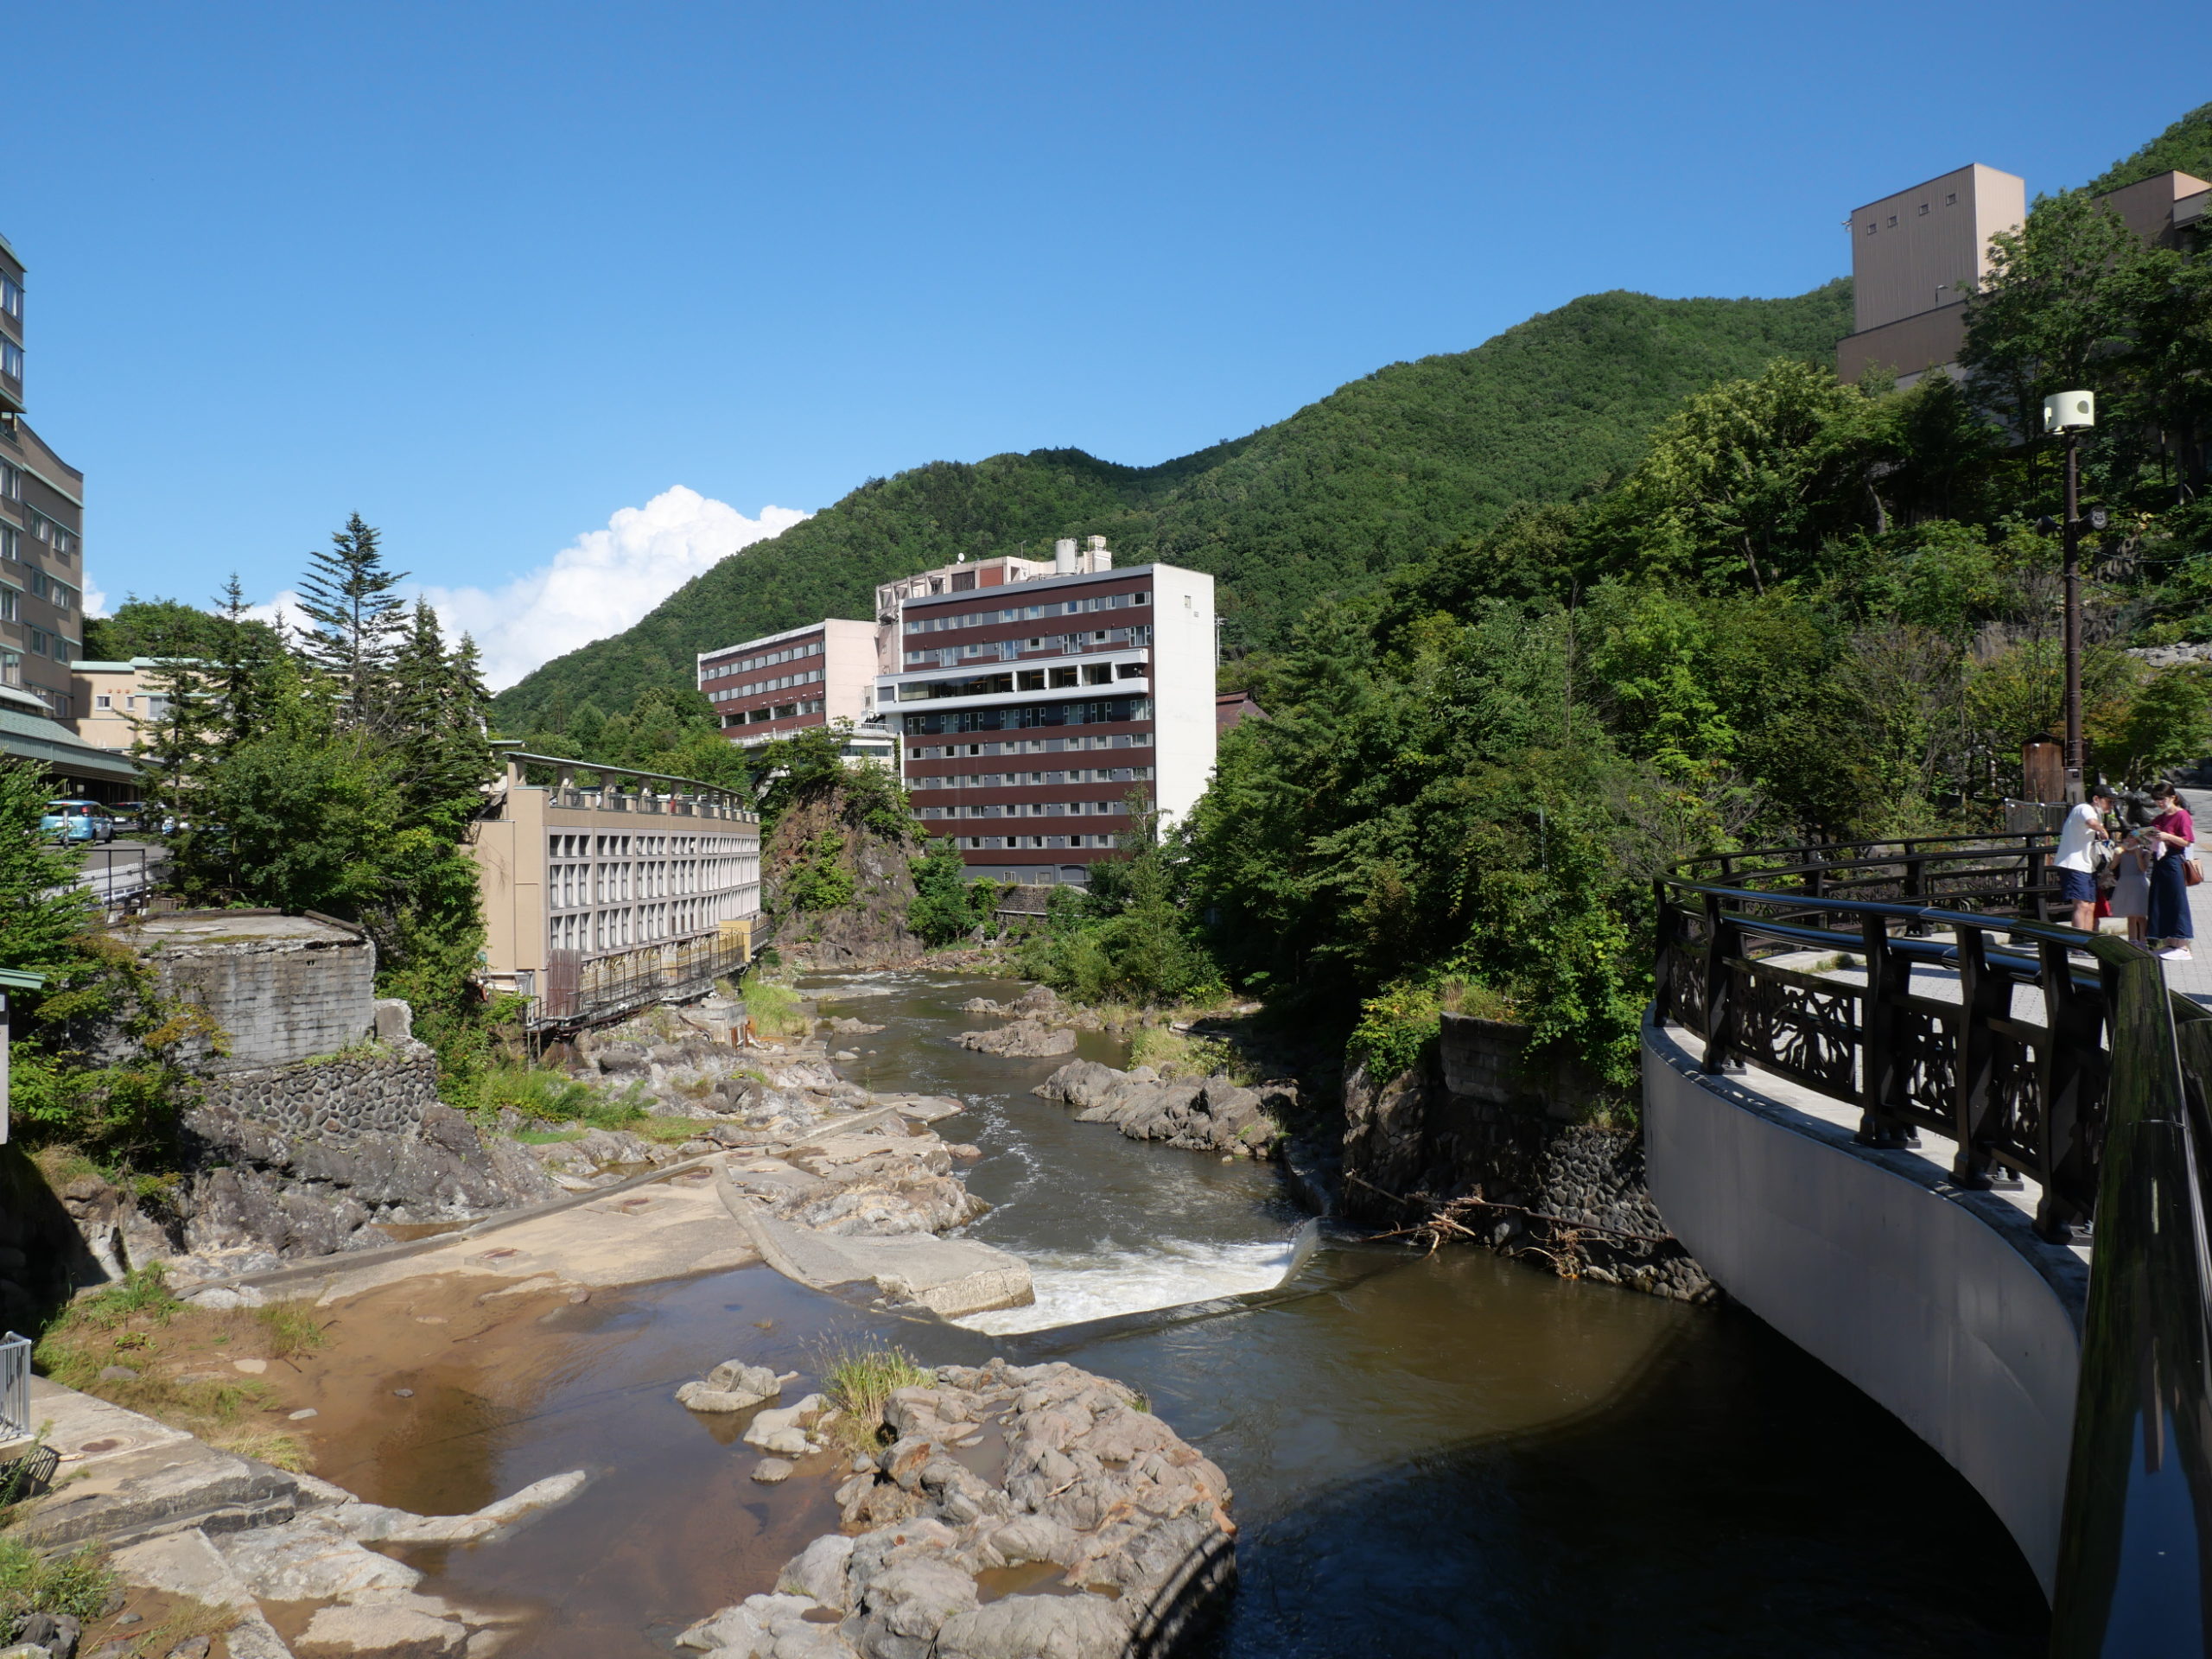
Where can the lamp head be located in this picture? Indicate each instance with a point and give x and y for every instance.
(2066, 410)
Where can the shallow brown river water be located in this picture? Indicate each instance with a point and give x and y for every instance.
(1453, 1455)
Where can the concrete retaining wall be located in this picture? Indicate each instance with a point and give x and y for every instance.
(283, 988)
(1942, 1304)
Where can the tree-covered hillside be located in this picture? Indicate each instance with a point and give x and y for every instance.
(2184, 147)
(1409, 458)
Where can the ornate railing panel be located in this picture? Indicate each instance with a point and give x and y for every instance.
(2064, 1061)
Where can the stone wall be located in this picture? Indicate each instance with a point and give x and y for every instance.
(1479, 1134)
(376, 1088)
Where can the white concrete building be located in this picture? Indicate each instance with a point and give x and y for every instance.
(1026, 719)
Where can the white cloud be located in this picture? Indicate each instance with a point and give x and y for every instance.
(281, 612)
(600, 583)
(94, 597)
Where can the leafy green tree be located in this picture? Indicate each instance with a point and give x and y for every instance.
(2166, 724)
(1747, 479)
(944, 908)
(67, 1084)
(2053, 314)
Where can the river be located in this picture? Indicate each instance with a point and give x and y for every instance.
(1448, 1454)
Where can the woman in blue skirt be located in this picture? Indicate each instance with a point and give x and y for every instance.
(2170, 928)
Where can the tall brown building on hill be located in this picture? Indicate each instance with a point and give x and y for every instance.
(1915, 256)
(42, 529)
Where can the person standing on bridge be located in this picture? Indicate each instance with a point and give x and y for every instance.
(2171, 928)
(2077, 861)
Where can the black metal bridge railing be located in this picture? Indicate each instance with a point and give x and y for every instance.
(2101, 1098)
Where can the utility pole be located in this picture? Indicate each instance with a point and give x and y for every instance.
(2071, 532)
(2069, 413)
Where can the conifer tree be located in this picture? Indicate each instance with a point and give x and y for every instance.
(348, 594)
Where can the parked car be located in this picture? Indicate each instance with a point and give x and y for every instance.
(77, 821)
(128, 814)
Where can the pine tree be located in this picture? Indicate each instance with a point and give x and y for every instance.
(357, 622)
(237, 673)
(438, 709)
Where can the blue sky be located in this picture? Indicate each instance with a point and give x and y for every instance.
(496, 275)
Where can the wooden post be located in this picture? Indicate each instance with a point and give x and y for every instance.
(2071, 1070)
(1719, 1004)
(1983, 996)
(1882, 1076)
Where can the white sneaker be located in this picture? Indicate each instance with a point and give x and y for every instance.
(2179, 953)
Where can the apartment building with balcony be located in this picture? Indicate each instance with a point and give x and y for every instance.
(1029, 709)
(607, 896)
(1916, 256)
(42, 529)
(782, 683)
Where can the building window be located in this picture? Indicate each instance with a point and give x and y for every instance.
(9, 612)
(11, 482)
(12, 297)
(11, 359)
(102, 700)
(1923, 209)
(1893, 221)
(1951, 200)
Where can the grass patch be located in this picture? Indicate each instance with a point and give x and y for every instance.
(538, 1093)
(143, 1295)
(667, 1131)
(77, 1584)
(1179, 1054)
(859, 1382)
(138, 1324)
(188, 1617)
(773, 1006)
(268, 1445)
(1477, 1001)
(548, 1137)
(291, 1327)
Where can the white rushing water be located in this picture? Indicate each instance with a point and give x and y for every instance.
(1077, 1285)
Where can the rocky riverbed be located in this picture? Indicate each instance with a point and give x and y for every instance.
(996, 1512)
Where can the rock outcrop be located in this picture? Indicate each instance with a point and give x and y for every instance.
(1045, 1467)
(1215, 1114)
(824, 841)
(260, 1189)
(1490, 1140)
(1025, 1039)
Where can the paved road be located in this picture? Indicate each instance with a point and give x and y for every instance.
(122, 871)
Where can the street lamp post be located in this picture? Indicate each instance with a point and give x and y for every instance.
(2069, 413)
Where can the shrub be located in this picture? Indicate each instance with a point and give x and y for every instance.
(820, 880)
(538, 1093)
(1394, 1029)
(772, 1006)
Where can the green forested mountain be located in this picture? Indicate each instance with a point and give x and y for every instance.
(1411, 457)
(2184, 147)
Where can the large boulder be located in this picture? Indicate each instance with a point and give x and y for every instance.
(1025, 1039)
(1216, 1114)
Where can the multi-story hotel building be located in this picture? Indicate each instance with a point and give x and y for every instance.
(41, 531)
(602, 899)
(1028, 710)
(785, 682)
(1915, 256)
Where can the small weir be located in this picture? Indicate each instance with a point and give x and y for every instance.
(1451, 1455)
